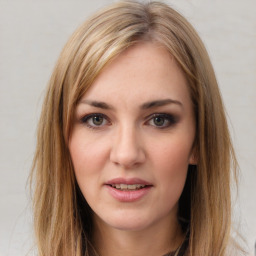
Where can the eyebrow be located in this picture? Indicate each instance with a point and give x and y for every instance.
(147, 105)
(159, 103)
(97, 104)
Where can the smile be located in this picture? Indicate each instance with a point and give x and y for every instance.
(125, 187)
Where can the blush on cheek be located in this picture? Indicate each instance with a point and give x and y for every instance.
(173, 167)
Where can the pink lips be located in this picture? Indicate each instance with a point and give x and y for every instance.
(128, 195)
(128, 181)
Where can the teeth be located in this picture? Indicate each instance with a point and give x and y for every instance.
(123, 186)
(128, 187)
(132, 186)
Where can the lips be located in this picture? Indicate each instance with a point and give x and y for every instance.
(128, 190)
(128, 184)
(128, 187)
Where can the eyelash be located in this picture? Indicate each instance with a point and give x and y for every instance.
(169, 120)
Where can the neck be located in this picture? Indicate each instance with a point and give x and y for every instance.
(155, 240)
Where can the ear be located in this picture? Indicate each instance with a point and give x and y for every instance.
(193, 159)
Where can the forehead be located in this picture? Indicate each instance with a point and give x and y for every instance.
(141, 73)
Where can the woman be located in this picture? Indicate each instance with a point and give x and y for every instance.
(133, 154)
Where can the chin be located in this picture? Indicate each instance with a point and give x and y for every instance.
(127, 226)
(127, 222)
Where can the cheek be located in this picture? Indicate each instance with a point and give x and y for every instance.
(173, 156)
(87, 153)
(88, 156)
(171, 165)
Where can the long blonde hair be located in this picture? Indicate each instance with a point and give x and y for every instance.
(61, 215)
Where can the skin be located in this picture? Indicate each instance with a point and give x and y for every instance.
(128, 141)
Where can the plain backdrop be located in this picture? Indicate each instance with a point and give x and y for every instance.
(32, 34)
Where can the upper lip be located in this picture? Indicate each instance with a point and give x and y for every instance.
(127, 181)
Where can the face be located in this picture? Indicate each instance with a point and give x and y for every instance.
(132, 140)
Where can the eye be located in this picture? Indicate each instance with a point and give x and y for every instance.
(162, 120)
(95, 120)
(159, 120)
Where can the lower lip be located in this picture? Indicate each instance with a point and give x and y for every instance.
(128, 196)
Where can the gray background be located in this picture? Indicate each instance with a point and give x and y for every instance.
(32, 34)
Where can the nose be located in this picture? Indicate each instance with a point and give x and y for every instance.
(127, 150)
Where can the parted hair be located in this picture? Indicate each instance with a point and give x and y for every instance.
(62, 218)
